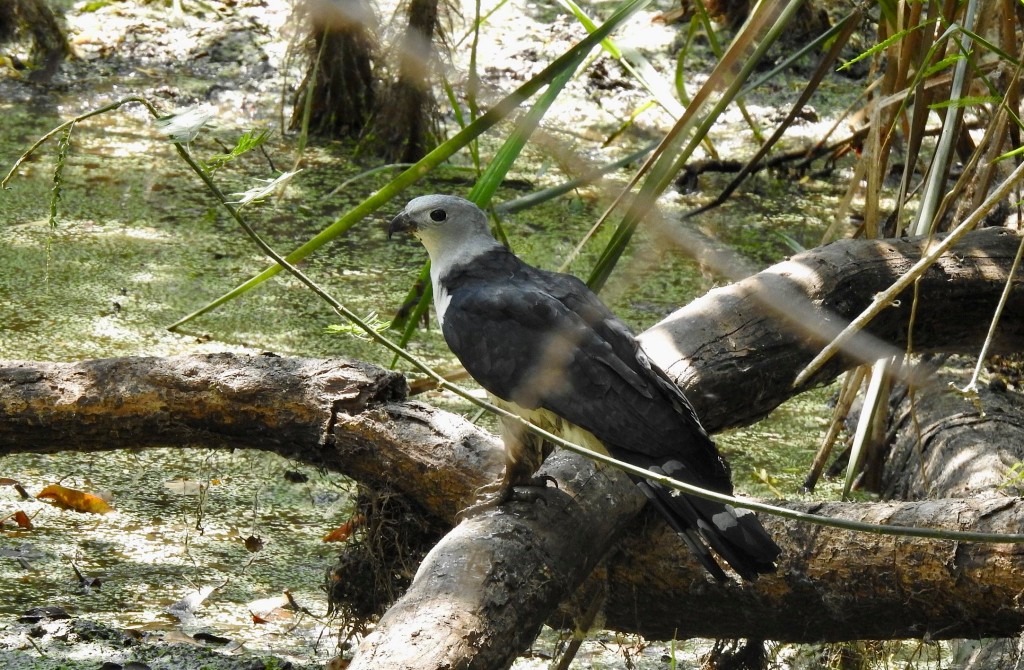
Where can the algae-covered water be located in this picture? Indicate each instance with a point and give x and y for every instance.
(137, 243)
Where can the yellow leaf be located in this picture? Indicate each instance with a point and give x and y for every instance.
(80, 501)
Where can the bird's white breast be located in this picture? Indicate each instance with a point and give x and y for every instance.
(445, 254)
(441, 300)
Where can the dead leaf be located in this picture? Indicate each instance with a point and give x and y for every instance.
(19, 518)
(7, 481)
(345, 530)
(267, 610)
(253, 544)
(80, 501)
(87, 583)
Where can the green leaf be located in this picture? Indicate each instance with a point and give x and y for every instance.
(63, 148)
(372, 319)
(247, 142)
(967, 101)
(95, 6)
(634, 63)
(892, 39)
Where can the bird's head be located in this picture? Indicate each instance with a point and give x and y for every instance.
(444, 224)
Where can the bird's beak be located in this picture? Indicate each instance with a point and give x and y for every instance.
(401, 224)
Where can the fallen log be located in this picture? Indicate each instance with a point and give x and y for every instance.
(438, 459)
(362, 429)
(342, 415)
(738, 349)
(941, 446)
(473, 600)
(944, 447)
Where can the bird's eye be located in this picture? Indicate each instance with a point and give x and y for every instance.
(438, 215)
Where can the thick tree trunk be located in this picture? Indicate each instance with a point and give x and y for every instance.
(219, 400)
(49, 43)
(338, 90)
(403, 128)
(475, 603)
(523, 558)
(892, 587)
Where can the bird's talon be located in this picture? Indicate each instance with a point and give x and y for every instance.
(528, 494)
(500, 492)
(488, 496)
(544, 480)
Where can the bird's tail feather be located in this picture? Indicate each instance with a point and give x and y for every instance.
(735, 535)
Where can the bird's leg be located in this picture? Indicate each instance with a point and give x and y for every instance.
(524, 453)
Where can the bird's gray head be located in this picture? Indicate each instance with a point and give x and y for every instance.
(448, 226)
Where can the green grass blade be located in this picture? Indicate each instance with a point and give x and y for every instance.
(552, 192)
(668, 163)
(634, 62)
(478, 126)
(848, 25)
(506, 156)
(884, 44)
(822, 39)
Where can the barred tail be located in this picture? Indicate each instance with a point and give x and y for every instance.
(735, 534)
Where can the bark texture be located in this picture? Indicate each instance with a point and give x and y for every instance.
(738, 349)
(891, 587)
(946, 445)
(49, 43)
(336, 414)
(277, 404)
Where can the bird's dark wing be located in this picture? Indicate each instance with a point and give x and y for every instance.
(543, 339)
(578, 297)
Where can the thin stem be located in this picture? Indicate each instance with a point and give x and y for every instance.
(972, 386)
(81, 117)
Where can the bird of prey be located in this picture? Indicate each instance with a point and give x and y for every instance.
(553, 353)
